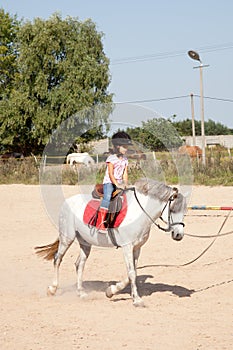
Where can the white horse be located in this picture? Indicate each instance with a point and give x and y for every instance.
(149, 201)
(81, 158)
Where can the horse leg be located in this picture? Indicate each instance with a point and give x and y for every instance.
(131, 269)
(63, 247)
(85, 250)
(115, 288)
(131, 258)
(136, 253)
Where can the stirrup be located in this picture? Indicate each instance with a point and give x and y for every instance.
(102, 230)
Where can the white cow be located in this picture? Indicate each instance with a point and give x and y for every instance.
(81, 158)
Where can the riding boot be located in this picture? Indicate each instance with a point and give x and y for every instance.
(101, 219)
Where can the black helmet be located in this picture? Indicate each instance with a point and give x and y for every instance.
(121, 138)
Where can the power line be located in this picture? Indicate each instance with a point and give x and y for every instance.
(163, 55)
(155, 99)
(144, 58)
(174, 98)
(216, 98)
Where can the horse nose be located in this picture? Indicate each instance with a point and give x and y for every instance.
(177, 236)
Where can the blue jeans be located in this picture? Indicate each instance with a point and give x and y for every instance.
(108, 189)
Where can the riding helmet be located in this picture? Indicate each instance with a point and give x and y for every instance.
(121, 138)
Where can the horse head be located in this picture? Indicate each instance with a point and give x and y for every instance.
(173, 214)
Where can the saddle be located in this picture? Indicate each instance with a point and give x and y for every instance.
(117, 208)
(98, 192)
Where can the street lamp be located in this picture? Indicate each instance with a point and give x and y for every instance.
(195, 56)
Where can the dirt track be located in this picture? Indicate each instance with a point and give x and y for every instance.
(186, 307)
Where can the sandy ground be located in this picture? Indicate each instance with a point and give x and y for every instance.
(189, 307)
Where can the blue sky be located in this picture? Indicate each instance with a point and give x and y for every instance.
(155, 36)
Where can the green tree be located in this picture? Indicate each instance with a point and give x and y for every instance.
(9, 26)
(156, 134)
(216, 128)
(62, 71)
(184, 128)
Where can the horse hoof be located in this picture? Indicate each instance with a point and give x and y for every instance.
(138, 303)
(109, 292)
(82, 294)
(51, 290)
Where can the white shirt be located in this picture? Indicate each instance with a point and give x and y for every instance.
(119, 165)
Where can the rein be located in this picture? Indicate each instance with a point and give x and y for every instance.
(219, 234)
(171, 198)
(202, 253)
(209, 236)
(210, 245)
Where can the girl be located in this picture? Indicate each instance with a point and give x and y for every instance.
(116, 172)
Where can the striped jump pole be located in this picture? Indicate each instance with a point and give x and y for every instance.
(208, 207)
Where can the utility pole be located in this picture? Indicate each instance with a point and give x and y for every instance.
(193, 121)
(195, 56)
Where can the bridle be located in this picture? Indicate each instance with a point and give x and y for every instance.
(170, 222)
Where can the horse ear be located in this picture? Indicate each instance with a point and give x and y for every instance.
(146, 188)
(175, 190)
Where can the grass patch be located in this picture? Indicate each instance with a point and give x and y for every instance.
(16, 171)
(217, 171)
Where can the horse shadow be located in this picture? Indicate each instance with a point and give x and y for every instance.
(145, 288)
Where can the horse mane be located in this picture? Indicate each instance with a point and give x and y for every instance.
(157, 189)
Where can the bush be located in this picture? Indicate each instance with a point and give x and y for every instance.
(19, 171)
(217, 171)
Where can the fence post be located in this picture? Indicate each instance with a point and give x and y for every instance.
(44, 162)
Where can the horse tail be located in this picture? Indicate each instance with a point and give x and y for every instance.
(48, 251)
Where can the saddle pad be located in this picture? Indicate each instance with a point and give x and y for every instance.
(93, 205)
